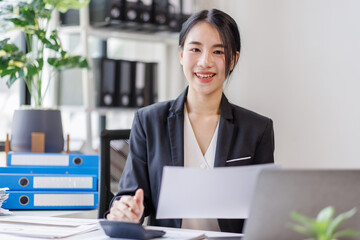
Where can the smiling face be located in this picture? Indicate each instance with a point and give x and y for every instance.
(203, 59)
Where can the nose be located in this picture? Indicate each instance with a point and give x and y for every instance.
(205, 60)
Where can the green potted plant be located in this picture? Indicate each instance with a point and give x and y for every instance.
(44, 49)
(324, 226)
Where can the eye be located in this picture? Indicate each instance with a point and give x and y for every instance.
(218, 52)
(194, 50)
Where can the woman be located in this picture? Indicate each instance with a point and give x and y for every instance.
(198, 129)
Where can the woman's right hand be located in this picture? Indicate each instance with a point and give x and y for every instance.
(128, 208)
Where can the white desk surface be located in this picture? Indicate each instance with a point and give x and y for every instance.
(99, 234)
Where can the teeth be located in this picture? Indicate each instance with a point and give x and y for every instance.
(205, 75)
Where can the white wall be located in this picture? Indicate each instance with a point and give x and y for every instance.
(300, 66)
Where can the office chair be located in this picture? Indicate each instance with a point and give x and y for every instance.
(113, 153)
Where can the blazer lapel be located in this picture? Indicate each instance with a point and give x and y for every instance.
(225, 133)
(176, 129)
(176, 134)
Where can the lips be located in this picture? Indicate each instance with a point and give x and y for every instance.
(205, 77)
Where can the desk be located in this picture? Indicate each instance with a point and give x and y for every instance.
(88, 214)
(99, 234)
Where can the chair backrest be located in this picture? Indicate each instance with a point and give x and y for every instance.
(106, 139)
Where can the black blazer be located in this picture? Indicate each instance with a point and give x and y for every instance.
(157, 140)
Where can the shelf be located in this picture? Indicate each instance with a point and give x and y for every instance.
(74, 108)
(107, 32)
(104, 110)
(70, 29)
(116, 32)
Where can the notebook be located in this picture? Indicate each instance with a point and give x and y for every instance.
(279, 192)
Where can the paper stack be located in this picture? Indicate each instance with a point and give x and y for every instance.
(3, 197)
(46, 227)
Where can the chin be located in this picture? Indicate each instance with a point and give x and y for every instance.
(206, 90)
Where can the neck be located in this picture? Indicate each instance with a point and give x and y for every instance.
(203, 104)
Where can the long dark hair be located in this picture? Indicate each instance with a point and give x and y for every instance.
(227, 28)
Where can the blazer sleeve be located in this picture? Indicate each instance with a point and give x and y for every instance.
(135, 174)
(265, 149)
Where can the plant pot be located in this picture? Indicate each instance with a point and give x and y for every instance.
(29, 120)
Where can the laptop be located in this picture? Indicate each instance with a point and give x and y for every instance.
(279, 192)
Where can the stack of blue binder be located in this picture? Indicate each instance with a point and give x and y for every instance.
(50, 181)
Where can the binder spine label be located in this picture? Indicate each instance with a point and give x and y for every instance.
(63, 182)
(39, 160)
(60, 200)
(52, 160)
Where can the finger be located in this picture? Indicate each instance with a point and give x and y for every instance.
(139, 196)
(129, 207)
(133, 204)
(136, 208)
(121, 211)
(139, 199)
(129, 213)
(126, 198)
(116, 214)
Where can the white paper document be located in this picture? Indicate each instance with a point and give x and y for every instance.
(51, 221)
(216, 193)
(3, 196)
(45, 227)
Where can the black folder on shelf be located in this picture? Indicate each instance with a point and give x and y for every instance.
(108, 80)
(150, 91)
(126, 70)
(140, 84)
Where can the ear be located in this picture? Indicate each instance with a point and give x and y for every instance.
(236, 59)
(181, 55)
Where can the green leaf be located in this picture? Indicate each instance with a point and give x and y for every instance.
(3, 43)
(324, 226)
(320, 227)
(21, 73)
(302, 230)
(9, 71)
(18, 22)
(53, 61)
(53, 42)
(10, 48)
(347, 233)
(34, 67)
(84, 64)
(41, 9)
(301, 218)
(41, 34)
(64, 5)
(68, 62)
(11, 80)
(28, 15)
(39, 63)
(340, 219)
(326, 214)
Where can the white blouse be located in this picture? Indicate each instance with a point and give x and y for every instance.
(193, 158)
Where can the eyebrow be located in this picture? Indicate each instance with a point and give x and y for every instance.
(199, 43)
